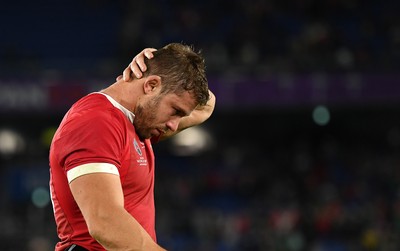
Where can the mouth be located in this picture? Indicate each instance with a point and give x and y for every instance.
(158, 132)
(161, 131)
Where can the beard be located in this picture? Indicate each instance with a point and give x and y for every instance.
(145, 118)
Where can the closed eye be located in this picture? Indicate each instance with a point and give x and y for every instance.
(180, 113)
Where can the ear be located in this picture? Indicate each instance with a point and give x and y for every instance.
(151, 83)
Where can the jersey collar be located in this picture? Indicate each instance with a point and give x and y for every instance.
(130, 115)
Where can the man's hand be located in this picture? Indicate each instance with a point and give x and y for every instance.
(137, 66)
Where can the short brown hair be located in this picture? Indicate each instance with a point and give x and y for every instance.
(181, 69)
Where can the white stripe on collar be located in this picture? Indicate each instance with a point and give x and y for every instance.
(125, 111)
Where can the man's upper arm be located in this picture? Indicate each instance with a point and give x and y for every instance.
(96, 194)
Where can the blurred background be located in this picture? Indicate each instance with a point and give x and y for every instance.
(301, 154)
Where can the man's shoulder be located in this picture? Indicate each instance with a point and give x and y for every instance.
(93, 110)
(94, 105)
(91, 101)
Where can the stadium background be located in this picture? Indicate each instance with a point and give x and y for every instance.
(302, 152)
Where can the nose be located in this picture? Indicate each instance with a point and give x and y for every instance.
(173, 124)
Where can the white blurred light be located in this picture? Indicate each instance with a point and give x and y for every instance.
(40, 197)
(191, 141)
(345, 57)
(321, 115)
(10, 142)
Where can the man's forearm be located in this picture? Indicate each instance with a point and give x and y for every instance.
(198, 116)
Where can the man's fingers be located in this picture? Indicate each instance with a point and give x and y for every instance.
(149, 52)
(140, 62)
(137, 66)
(139, 59)
(127, 74)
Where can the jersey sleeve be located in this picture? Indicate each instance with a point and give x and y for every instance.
(97, 138)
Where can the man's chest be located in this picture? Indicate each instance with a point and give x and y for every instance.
(138, 167)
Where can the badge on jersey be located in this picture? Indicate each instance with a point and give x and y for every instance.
(137, 147)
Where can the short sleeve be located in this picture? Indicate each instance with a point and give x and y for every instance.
(91, 138)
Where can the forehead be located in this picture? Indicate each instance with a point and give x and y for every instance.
(184, 101)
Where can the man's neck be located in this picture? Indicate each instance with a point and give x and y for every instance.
(125, 93)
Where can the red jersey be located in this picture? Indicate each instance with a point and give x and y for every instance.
(98, 130)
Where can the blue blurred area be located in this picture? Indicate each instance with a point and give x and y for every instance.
(62, 35)
(51, 29)
(274, 179)
(255, 37)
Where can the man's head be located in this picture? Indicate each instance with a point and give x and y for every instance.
(181, 69)
(176, 83)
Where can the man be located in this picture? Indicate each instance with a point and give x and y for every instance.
(101, 158)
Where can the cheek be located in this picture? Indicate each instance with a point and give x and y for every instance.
(159, 119)
(159, 115)
(156, 116)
